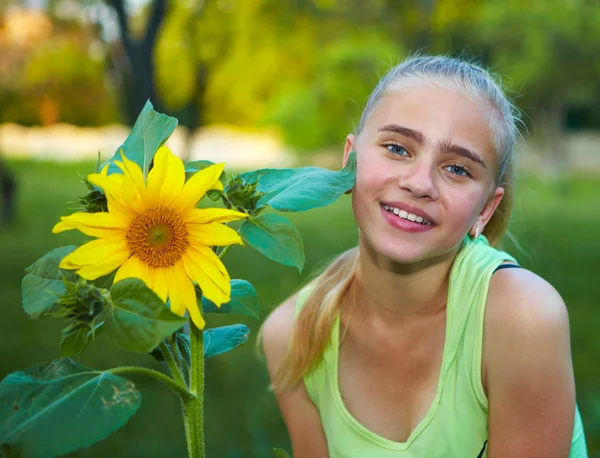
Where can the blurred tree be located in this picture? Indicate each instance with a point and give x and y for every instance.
(551, 56)
(136, 66)
(51, 70)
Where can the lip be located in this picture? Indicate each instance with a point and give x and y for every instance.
(410, 209)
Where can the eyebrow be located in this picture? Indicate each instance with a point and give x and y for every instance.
(446, 147)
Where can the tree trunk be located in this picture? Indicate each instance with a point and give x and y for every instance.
(552, 137)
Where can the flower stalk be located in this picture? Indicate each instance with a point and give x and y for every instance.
(193, 408)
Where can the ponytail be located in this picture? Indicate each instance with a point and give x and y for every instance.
(314, 322)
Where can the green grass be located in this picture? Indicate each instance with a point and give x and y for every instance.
(556, 223)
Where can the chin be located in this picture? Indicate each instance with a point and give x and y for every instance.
(405, 251)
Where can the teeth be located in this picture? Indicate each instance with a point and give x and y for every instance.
(405, 215)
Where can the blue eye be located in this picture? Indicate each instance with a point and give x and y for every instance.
(396, 149)
(458, 170)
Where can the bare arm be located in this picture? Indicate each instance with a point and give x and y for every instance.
(299, 413)
(529, 372)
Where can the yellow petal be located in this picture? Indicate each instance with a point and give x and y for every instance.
(198, 185)
(112, 185)
(212, 234)
(133, 268)
(159, 283)
(61, 227)
(214, 284)
(103, 225)
(208, 256)
(66, 264)
(157, 175)
(104, 267)
(133, 171)
(165, 180)
(187, 293)
(213, 215)
(95, 251)
(196, 315)
(175, 296)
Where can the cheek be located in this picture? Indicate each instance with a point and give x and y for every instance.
(372, 175)
(462, 208)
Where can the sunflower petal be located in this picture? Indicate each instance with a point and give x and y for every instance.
(214, 284)
(166, 179)
(112, 185)
(195, 188)
(133, 268)
(218, 186)
(188, 294)
(106, 266)
(103, 225)
(213, 215)
(61, 227)
(133, 171)
(157, 175)
(209, 256)
(213, 234)
(159, 283)
(175, 296)
(94, 252)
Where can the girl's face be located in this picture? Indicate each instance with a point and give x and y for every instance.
(426, 153)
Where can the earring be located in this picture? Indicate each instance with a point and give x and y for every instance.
(476, 232)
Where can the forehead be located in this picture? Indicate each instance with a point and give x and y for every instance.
(440, 114)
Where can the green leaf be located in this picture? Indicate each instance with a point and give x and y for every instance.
(280, 453)
(222, 339)
(43, 282)
(150, 131)
(303, 188)
(276, 237)
(75, 338)
(195, 166)
(244, 300)
(216, 340)
(185, 347)
(137, 318)
(54, 408)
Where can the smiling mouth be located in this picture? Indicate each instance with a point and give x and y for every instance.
(406, 215)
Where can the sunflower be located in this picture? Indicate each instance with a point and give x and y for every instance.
(152, 231)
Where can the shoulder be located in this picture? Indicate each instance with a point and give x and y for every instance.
(277, 331)
(526, 330)
(522, 303)
(528, 372)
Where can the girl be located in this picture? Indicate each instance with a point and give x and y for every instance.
(425, 341)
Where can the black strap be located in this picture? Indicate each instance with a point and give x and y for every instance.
(482, 450)
(508, 266)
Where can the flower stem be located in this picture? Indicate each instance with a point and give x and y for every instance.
(171, 362)
(181, 390)
(194, 408)
(223, 253)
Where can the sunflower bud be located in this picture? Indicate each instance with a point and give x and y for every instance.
(242, 195)
(94, 201)
(82, 303)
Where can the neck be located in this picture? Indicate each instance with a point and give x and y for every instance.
(397, 293)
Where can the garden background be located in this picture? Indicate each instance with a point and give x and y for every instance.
(269, 83)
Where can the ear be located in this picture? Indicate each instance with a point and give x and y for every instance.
(489, 208)
(349, 146)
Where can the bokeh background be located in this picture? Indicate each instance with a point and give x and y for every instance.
(276, 83)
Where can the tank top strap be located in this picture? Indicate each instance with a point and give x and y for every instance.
(467, 291)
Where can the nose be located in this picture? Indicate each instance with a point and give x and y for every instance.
(419, 180)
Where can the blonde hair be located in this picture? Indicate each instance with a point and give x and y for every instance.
(312, 330)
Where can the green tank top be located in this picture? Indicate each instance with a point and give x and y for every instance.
(456, 424)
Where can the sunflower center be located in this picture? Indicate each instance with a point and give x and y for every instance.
(158, 237)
